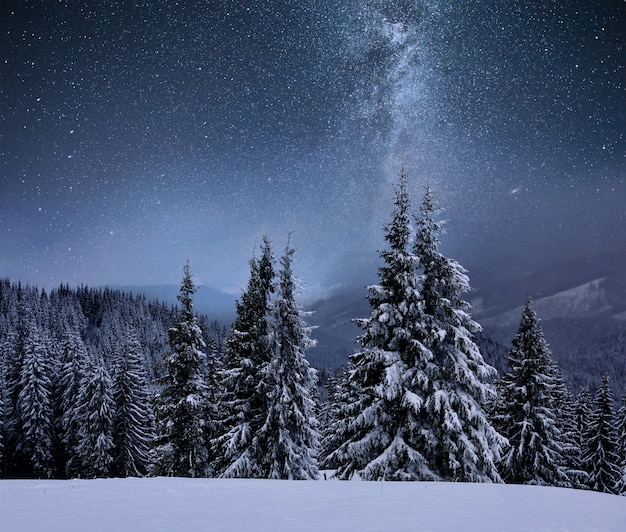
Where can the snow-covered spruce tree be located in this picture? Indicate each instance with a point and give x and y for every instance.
(528, 414)
(602, 445)
(248, 351)
(95, 411)
(381, 420)
(289, 435)
(329, 417)
(182, 406)
(621, 445)
(75, 362)
(583, 413)
(133, 424)
(568, 427)
(462, 444)
(34, 409)
(5, 400)
(344, 406)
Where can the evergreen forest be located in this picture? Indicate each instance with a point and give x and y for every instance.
(103, 383)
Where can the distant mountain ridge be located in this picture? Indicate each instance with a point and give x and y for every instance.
(581, 304)
(592, 299)
(583, 322)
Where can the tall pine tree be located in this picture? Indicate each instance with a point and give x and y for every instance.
(528, 410)
(462, 444)
(383, 436)
(34, 409)
(133, 424)
(243, 375)
(95, 412)
(289, 435)
(75, 362)
(182, 406)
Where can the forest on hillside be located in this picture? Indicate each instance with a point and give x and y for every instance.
(101, 383)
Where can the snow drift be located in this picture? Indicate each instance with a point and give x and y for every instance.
(176, 504)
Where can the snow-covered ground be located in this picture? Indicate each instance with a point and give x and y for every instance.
(179, 505)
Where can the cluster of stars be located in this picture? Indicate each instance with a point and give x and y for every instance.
(136, 137)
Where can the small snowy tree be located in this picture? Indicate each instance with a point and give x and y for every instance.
(602, 443)
(95, 412)
(243, 376)
(289, 434)
(133, 424)
(182, 406)
(528, 417)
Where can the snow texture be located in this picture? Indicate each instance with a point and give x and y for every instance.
(166, 504)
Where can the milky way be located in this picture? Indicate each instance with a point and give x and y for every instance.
(136, 135)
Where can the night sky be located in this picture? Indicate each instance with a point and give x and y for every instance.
(137, 135)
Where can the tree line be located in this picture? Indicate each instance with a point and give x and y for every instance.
(98, 383)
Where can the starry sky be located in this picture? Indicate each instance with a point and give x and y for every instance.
(135, 135)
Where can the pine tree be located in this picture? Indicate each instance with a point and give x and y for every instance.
(621, 445)
(343, 407)
(133, 424)
(4, 409)
(528, 417)
(243, 375)
(383, 437)
(75, 362)
(419, 384)
(289, 435)
(583, 413)
(95, 411)
(328, 415)
(462, 444)
(567, 425)
(602, 443)
(33, 410)
(182, 406)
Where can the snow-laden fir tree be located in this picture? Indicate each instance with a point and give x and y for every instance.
(583, 412)
(182, 446)
(602, 444)
(621, 445)
(34, 409)
(243, 375)
(568, 428)
(333, 423)
(5, 400)
(341, 409)
(461, 443)
(380, 422)
(528, 414)
(75, 362)
(133, 424)
(95, 411)
(289, 435)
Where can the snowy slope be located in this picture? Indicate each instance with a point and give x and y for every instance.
(589, 299)
(159, 504)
